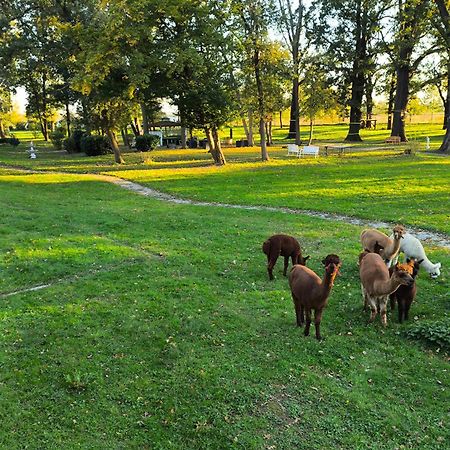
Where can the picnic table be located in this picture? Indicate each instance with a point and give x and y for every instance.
(337, 148)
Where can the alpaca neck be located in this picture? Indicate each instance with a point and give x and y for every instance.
(385, 287)
(427, 264)
(393, 248)
(326, 285)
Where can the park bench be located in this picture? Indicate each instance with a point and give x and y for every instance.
(393, 140)
(311, 150)
(294, 149)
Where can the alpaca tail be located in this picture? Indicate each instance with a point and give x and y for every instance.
(266, 247)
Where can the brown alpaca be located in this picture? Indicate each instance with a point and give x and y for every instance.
(389, 248)
(405, 295)
(284, 245)
(310, 292)
(376, 285)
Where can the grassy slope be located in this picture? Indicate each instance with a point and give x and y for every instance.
(412, 190)
(164, 332)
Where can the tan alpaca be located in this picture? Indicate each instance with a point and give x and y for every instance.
(389, 247)
(376, 284)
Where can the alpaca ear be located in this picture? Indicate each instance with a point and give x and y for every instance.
(421, 261)
(438, 265)
(323, 261)
(307, 257)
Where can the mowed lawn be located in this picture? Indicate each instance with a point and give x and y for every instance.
(160, 329)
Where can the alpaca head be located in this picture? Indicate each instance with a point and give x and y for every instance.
(399, 231)
(415, 265)
(332, 265)
(403, 274)
(436, 270)
(377, 248)
(302, 261)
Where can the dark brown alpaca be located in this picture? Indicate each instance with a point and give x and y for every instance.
(310, 292)
(284, 245)
(405, 295)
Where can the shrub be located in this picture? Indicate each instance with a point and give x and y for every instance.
(146, 142)
(14, 141)
(21, 126)
(73, 143)
(437, 333)
(11, 141)
(95, 145)
(57, 138)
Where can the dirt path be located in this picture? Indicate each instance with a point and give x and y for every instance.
(431, 237)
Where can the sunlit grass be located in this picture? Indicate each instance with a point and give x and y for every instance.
(161, 328)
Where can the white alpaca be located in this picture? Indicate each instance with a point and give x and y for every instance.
(412, 248)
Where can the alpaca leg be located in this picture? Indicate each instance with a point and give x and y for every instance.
(270, 266)
(308, 321)
(406, 310)
(317, 320)
(373, 308)
(393, 300)
(286, 264)
(383, 313)
(298, 311)
(365, 300)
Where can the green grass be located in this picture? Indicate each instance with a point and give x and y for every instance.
(161, 329)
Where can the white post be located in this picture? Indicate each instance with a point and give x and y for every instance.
(428, 143)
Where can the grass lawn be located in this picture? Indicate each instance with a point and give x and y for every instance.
(160, 328)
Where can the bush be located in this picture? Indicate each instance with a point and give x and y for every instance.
(57, 138)
(146, 142)
(95, 145)
(11, 141)
(21, 126)
(437, 333)
(73, 143)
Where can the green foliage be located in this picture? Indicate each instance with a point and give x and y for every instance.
(147, 142)
(11, 141)
(73, 143)
(95, 145)
(57, 138)
(435, 333)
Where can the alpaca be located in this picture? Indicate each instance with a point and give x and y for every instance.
(376, 284)
(389, 248)
(412, 248)
(405, 295)
(310, 292)
(284, 245)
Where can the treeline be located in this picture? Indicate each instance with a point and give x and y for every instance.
(217, 60)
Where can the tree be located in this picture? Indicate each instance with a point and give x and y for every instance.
(443, 28)
(254, 19)
(292, 21)
(411, 26)
(317, 95)
(5, 108)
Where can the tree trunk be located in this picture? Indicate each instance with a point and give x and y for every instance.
(183, 137)
(2, 130)
(400, 102)
(294, 123)
(210, 142)
(244, 124)
(115, 146)
(357, 76)
(310, 131)
(369, 99)
(44, 124)
(125, 139)
(447, 101)
(135, 130)
(136, 124)
(281, 119)
(259, 87)
(392, 89)
(68, 118)
(219, 157)
(251, 141)
(144, 119)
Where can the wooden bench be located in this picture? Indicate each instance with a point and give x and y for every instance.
(311, 150)
(294, 149)
(393, 140)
